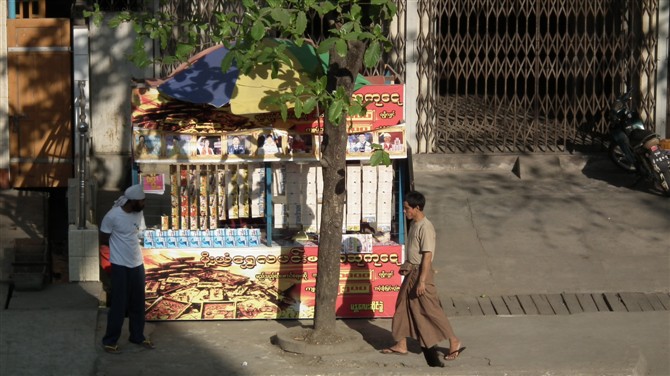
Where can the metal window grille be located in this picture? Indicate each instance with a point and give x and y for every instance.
(531, 75)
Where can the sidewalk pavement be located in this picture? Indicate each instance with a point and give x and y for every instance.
(57, 331)
(566, 225)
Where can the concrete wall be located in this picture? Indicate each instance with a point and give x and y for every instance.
(4, 95)
(110, 86)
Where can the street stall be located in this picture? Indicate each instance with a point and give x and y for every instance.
(235, 235)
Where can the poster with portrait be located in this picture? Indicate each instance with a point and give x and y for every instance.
(146, 145)
(392, 140)
(360, 143)
(238, 144)
(178, 145)
(269, 143)
(300, 145)
(208, 146)
(153, 183)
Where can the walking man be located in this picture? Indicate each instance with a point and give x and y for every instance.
(419, 312)
(120, 230)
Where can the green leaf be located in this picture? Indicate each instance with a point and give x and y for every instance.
(324, 8)
(392, 9)
(258, 30)
(353, 36)
(341, 47)
(372, 55)
(386, 159)
(309, 105)
(325, 45)
(346, 28)
(281, 16)
(376, 158)
(284, 111)
(300, 23)
(298, 108)
(335, 111)
(355, 11)
(379, 156)
(184, 50)
(227, 62)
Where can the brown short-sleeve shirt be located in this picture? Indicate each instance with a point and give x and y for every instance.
(420, 239)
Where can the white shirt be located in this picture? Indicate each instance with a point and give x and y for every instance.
(124, 228)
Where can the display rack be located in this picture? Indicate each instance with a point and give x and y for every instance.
(228, 175)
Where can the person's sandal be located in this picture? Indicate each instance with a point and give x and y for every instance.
(147, 344)
(112, 349)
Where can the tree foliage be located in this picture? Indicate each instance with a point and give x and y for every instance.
(347, 21)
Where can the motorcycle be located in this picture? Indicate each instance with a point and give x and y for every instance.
(636, 149)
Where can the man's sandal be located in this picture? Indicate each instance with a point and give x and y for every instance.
(454, 354)
(112, 349)
(147, 344)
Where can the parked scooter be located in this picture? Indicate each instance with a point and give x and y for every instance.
(636, 149)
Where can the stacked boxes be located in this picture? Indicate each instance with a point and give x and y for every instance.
(217, 238)
(293, 184)
(369, 191)
(384, 198)
(279, 191)
(353, 205)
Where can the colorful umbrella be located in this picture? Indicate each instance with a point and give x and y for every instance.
(202, 81)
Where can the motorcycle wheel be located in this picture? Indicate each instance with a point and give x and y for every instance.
(619, 158)
(665, 182)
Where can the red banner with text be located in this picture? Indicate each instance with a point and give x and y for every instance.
(265, 283)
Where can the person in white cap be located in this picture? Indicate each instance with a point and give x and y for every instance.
(120, 230)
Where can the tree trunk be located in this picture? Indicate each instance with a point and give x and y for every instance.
(341, 73)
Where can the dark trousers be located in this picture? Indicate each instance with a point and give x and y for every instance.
(127, 296)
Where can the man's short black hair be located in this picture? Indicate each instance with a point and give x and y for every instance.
(415, 199)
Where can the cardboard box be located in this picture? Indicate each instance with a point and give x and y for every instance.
(241, 237)
(254, 237)
(353, 205)
(229, 241)
(148, 241)
(159, 242)
(194, 242)
(182, 242)
(219, 238)
(172, 242)
(206, 241)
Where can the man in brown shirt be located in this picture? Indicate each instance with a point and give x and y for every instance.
(419, 312)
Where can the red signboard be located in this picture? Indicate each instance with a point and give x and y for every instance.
(386, 108)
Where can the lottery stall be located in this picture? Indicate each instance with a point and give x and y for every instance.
(234, 217)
